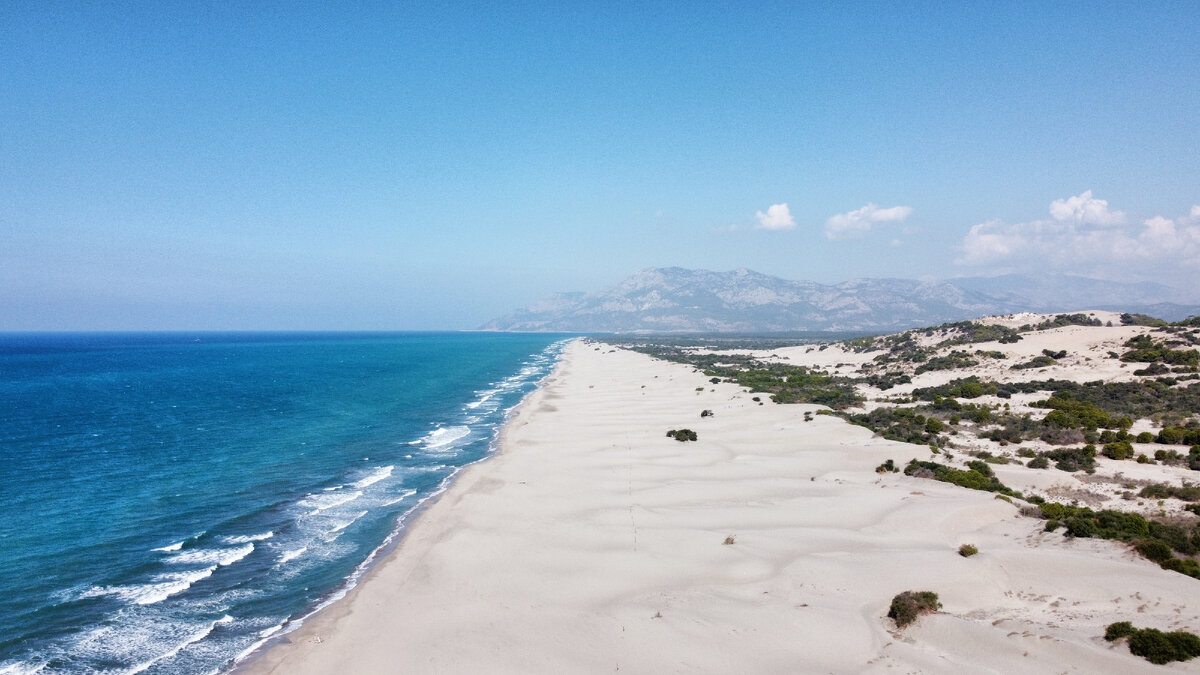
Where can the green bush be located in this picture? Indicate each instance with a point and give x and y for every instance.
(1118, 450)
(971, 478)
(1118, 630)
(886, 467)
(682, 434)
(967, 550)
(1158, 647)
(907, 606)
(1038, 463)
(1155, 550)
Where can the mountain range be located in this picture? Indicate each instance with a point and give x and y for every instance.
(678, 300)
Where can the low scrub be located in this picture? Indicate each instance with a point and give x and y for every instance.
(909, 605)
(1154, 645)
(682, 434)
(978, 477)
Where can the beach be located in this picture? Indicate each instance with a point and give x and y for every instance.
(592, 542)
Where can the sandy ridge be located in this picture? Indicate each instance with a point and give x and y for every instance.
(592, 543)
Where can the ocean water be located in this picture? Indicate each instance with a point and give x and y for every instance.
(169, 501)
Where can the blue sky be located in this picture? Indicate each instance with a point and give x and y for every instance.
(412, 166)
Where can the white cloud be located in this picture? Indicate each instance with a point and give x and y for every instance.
(1084, 236)
(777, 217)
(1195, 214)
(858, 222)
(1086, 210)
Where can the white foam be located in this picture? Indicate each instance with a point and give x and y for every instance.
(291, 555)
(406, 495)
(341, 526)
(243, 539)
(149, 594)
(191, 639)
(220, 556)
(21, 668)
(484, 397)
(325, 502)
(443, 436)
(374, 477)
(166, 549)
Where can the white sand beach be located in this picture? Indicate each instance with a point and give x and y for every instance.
(593, 543)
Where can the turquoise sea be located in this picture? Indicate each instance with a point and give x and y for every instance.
(170, 501)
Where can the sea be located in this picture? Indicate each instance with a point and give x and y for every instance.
(170, 501)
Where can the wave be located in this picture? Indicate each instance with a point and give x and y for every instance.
(484, 397)
(166, 549)
(374, 477)
(443, 436)
(247, 538)
(149, 594)
(192, 639)
(21, 668)
(292, 554)
(402, 497)
(343, 525)
(220, 556)
(327, 501)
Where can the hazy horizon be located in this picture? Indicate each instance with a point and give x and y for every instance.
(417, 167)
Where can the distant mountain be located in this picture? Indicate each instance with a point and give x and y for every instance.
(743, 301)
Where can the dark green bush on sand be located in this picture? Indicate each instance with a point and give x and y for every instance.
(1154, 645)
(682, 434)
(971, 478)
(907, 606)
(1118, 630)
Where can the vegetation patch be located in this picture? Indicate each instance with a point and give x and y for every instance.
(1156, 540)
(1154, 645)
(1187, 493)
(978, 477)
(909, 605)
(901, 424)
(967, 550)
(682, 434)
(1144, 349)
(1062, 320)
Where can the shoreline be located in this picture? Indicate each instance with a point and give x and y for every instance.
(590, 542)
(249, 661)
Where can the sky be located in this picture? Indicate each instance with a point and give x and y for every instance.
(419, 166)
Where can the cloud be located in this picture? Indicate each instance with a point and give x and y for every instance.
(1086, 210)
(777, 217)
(858, 222)
(1083, 235)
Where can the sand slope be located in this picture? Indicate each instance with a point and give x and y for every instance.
(592, 543)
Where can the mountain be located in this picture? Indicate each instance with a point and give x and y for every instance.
(743, 301)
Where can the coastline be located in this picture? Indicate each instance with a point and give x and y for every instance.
(310, 625)
(591, 542)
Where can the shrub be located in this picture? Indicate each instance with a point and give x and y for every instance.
(907, 606)
(1118, 630)
(886, 467)
(682, 434)
(1155, 550)
(1038, 463)
(1158, 647)
(1118, 450)
(967, 550)
(1187, 493)
(971, 478)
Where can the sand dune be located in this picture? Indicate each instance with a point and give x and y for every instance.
(593, 543)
